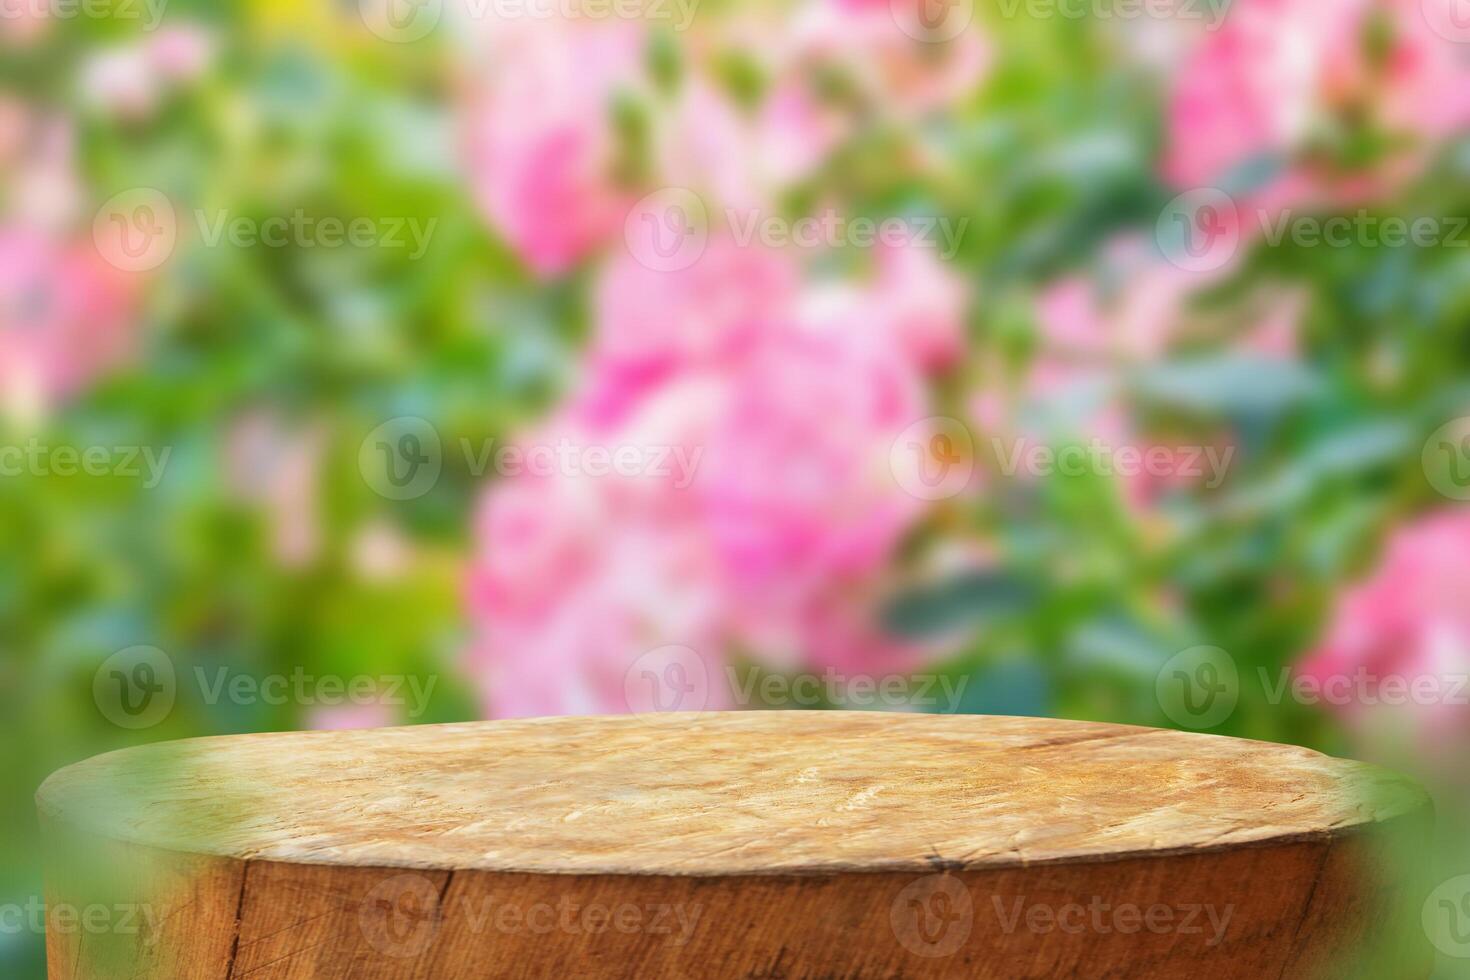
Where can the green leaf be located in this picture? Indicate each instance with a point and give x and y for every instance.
(1230, 384)
(960, 604)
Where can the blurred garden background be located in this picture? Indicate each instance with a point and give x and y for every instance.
(410, 361)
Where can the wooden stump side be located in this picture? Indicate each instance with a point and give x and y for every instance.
(1271, 897)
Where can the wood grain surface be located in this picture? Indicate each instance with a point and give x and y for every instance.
(759, 844)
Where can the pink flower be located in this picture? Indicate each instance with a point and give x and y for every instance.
(24, 22)
(744, 156)
(739, 158)
(277, 467)
(15, 123)
(1407, 623)
(795, 132)
(1069, 318)
(650, 323)
(923, 303)
(787, 409)
(37, 169)
(1250, 89)
(129, 81)
(796, 486)
(121, 82)
(1136, 317)
(1425, 84)
(1092, 328)
(536, 534)
(841, 632)
(1276, 333)
(382, 553)
(540, 138)
(575, 580)
(1279, 71)
(181, 53)
(707, 145)
(349, 717)
(894, 70)
(46, 194)
(66, 318)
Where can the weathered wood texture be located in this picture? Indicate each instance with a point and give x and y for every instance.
(776, 844)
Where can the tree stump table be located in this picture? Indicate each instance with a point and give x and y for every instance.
(760, 844)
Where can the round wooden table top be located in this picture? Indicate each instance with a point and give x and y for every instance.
(721, 794)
